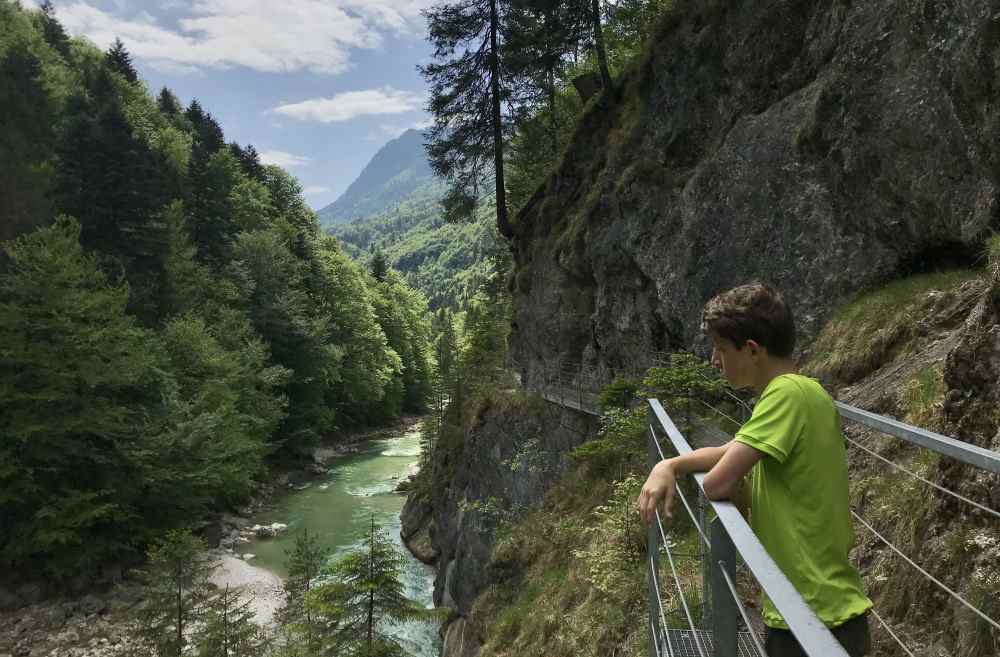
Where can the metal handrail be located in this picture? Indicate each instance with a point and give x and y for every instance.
(811, 633)
(956, 449)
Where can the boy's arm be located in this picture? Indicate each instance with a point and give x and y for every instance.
(726, 466)
(723, 480)
(661, 483)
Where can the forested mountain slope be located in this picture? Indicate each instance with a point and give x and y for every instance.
(171, 316)
(397, 171)
(399, 214)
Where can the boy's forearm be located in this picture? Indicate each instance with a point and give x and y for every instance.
(699, 460)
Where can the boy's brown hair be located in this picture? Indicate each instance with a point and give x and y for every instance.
(752, 312)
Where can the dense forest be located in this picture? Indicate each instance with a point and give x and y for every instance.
(171, 317)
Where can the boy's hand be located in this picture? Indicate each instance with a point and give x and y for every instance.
(660, 485)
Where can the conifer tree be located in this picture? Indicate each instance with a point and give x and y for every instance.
(112, 182)
(304, 564)
(80, 389)
(120, 61)
(228, 627)
(379, 264)
(168, 103)
(53, 31)
(249, 160)
(364, 594)
(26, 140)
(178, 594)
(470, 103)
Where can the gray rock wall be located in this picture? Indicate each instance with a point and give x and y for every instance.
(824, 147)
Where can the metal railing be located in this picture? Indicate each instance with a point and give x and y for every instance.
(729, 535)
(719, 542)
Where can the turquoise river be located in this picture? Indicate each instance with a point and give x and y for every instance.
(338, 509)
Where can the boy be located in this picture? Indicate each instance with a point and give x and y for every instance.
(793, 447)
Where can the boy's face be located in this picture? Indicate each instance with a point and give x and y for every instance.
(738, 365)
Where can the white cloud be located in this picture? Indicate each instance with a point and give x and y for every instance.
(318, 189)
(292, 35)
(352, 104)
(283, 159)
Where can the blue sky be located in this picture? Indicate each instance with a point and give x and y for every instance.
(317, 86)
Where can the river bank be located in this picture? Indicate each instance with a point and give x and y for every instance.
(35, 622)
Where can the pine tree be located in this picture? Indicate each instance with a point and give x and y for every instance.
(26, 140)
(379, 264)
(304, 564)
(168, 103)
(53, 31)
(249, 161)
(178, 594)
(468, 96)
(118, 59)
(112, 182)
(228, 627)
(81, 389)
(364, 593)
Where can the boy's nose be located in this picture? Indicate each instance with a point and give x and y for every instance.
(716, 361)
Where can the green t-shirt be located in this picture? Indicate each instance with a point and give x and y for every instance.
(799, 497)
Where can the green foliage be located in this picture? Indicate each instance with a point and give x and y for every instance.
(617, 540)
(304, 564)
(685, 377)
(80, 392)
(620, 393)
(177, 595)
(363, 592)
(229, 629)
(619, 445)
(185, 324)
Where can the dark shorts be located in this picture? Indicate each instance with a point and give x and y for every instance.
(853, 635)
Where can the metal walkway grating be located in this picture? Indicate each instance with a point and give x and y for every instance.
(683, 643)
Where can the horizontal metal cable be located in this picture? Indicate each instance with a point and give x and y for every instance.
(926, 481)
(727, 391)
(926, 574)
(701, 532)
(743, 612)
(659, 604)
(680, 590)
(714, 409)
(891, 633)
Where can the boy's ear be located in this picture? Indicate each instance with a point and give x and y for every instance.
(753, 346)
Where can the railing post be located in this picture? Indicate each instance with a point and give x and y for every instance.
(653, 550)
(706, 567)
(724, 610)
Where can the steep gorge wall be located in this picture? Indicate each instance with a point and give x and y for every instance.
(824, 147)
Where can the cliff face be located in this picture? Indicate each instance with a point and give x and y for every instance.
(821, 146)
(484, 474)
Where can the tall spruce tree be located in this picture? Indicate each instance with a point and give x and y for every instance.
(80, 389)
(470, 103)
(228, 627)
(120, 61)
(52, 30)
(364, 593)
(178, 594)
(304, 564)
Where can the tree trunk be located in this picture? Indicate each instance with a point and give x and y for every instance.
(503, 222)
(371, 588)
(180, 614)
(602, 57)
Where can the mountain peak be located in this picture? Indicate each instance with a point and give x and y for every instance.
(396, 170)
